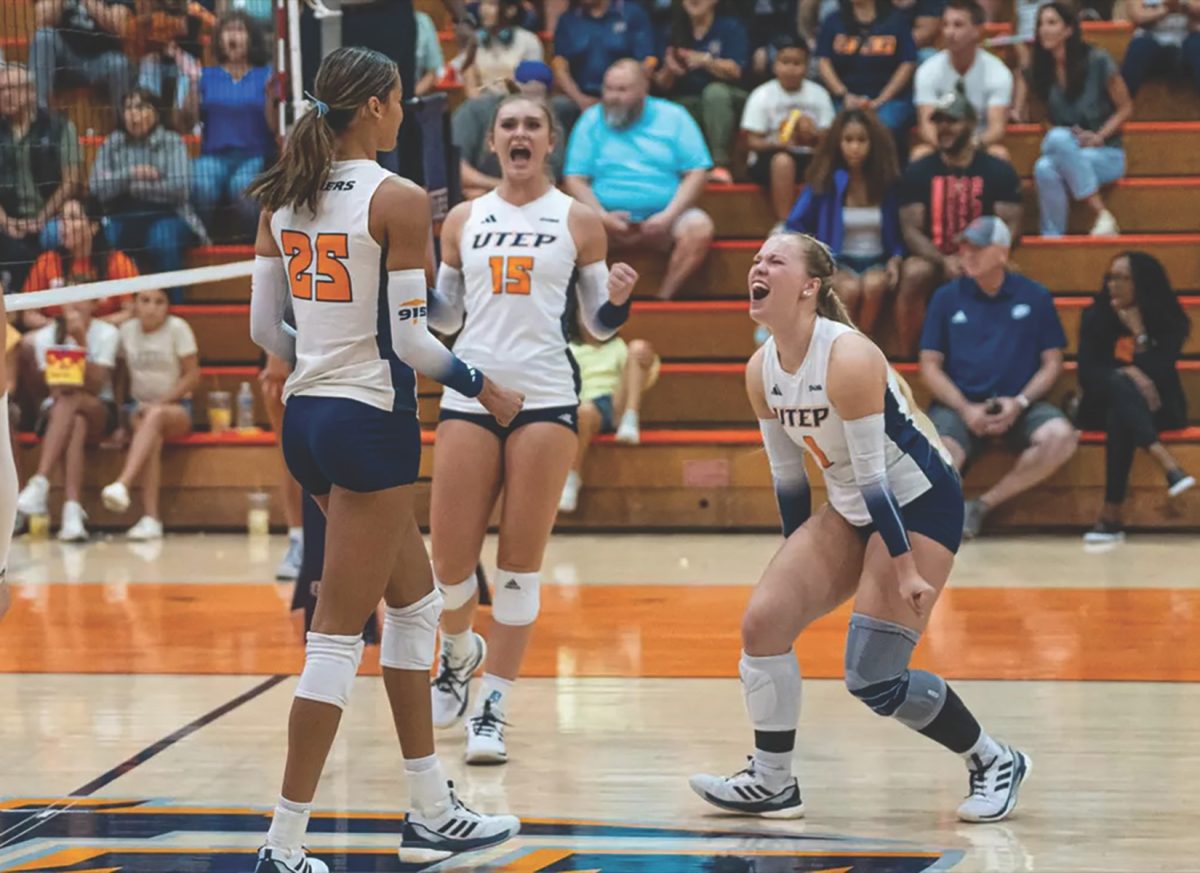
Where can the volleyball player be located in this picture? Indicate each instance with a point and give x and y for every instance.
(8, 478)
(346, 241)
(509, 259)
(887, 538)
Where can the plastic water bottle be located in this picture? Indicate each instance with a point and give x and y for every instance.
(245, 408)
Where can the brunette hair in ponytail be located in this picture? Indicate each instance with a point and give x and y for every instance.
(347, 79)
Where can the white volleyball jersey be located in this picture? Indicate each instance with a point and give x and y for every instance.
(913, 453)
(337, 274)
(517, 265)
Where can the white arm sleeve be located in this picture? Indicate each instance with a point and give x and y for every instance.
(446, 309)
(600, 317)
(786, 458)
(268, 307)
(414, 344)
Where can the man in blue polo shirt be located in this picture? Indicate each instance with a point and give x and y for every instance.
(991, 349)
(642, 163)
(589, 38)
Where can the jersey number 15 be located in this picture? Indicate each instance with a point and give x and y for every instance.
(330, 281)
(511, 275)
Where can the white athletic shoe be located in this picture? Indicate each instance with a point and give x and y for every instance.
(994, 786)
(115, 497)
(145, 530)
(277, 861)
(485, 737)
(32, 499)
(457, 829)
(451, 690)
(289, 568)
(1105, 225)
(73, 518)
(747, 793)
(569, 501)
(629, 432)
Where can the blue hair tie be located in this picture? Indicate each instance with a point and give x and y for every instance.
(320, 106)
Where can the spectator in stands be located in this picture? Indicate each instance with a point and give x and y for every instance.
(1087, 104)
(613, 377)
(1130, 341)
(1162, 45)
(588, 39)
(939, 196)
(82, 38)
(991, 350)
(784, 120)
(239, 122)
(642, 163)
(168, 70)
(985, 79)
(163, 368)
(41, 167)
(79, 411)
(141, 177)
(851, 205)
(703, 61)
(866, 57)
(83, 255)
(472, 122)
(924, 20)
(502, 45)
(430, 59)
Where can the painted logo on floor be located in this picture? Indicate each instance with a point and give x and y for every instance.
(93, 835)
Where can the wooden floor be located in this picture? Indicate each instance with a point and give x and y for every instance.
(144, 691)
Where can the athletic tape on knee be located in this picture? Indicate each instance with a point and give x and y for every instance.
(517, 599)
(410, 634)
(458, 596)
(877, 656)
(330, 665)
(771, 686)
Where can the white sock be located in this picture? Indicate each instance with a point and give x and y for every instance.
(630, 417)
(459, 647)
(574, 480)
(496, 690)
(427, 784)
(774, 767)
(296, 534)
(288, 825)
(985, 747)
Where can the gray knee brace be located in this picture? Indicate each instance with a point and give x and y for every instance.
(877, 656)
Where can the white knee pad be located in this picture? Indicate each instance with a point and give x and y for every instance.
(517, 599)
(410, 634)
(458, 596)
(772, 689)
(330, 664)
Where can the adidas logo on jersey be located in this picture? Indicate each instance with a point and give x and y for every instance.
(412, 310)
(491, 219)
(775, 392)
(960, 317)
(512, 585)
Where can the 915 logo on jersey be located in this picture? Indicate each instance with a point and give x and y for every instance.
(412, 310)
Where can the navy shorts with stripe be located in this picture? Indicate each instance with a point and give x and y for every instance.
(331, 441)
(937, 514)
(566, 416)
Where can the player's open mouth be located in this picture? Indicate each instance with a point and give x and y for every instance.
(759, 290)
(520, 153)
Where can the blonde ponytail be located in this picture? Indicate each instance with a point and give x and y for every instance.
(821, 264)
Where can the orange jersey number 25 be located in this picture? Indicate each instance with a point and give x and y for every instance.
(330, 280)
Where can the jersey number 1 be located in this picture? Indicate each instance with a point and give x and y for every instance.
(511, 275)
(817, 453)
(330, 278)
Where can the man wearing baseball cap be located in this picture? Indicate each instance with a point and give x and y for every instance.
(991, 350)
(939, 196)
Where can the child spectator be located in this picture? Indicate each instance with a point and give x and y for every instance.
(703, 62)
(141, 176)
(1087, 104)
(851, 205)
(866, 57)
(78, 412)
(784, 120)
(1130, 342)
(83, 255)
(82, 38)
(502, 45)
(614, 376)
(160, 357)
(239, 122)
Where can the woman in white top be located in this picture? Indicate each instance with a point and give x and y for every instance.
(886, 538)
(850, 205)
(502, 44)
(510, 258)
(163, 368)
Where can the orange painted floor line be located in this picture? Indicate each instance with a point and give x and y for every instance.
(596, 630)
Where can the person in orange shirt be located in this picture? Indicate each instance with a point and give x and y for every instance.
(83, 256)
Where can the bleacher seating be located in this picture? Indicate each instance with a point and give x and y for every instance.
(700, 465)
